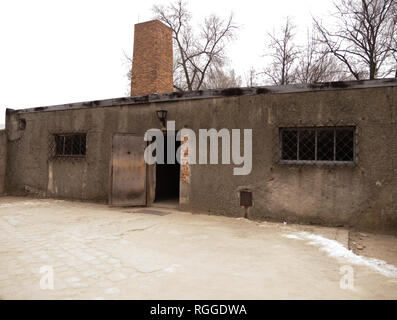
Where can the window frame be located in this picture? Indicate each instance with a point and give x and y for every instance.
(352, 128)
(64, 135)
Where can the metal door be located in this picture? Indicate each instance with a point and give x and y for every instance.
(128, 171)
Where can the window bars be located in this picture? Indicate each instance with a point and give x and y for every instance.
(317, 145)
(70, 145)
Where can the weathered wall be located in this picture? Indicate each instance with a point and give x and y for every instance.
(363, 195)
(3, 159)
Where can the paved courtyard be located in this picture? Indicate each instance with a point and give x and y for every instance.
(97, 252)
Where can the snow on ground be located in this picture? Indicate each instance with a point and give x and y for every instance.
(336, 250)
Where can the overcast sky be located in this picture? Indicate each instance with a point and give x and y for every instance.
(54, 52)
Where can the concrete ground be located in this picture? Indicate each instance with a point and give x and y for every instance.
(97, 252)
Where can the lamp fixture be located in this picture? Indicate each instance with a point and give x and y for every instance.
(162, 115)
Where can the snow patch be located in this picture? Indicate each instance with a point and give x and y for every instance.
(336, 250)
(292, 236)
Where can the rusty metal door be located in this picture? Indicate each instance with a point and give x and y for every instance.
(128, 171)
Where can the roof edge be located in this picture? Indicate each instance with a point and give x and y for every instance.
(215, 93)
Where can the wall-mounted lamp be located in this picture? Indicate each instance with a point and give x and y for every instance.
(162, 115)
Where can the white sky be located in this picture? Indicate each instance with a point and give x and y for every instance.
(54, 52)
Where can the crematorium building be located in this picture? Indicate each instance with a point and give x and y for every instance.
(322, 153)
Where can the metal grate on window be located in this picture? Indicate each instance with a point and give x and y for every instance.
(70, 145)
(317, 144)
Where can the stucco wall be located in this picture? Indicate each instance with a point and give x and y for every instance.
(363, 195)
(3, 159)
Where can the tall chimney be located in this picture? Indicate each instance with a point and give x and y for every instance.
(152, 66)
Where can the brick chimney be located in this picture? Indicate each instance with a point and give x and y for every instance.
(152, 66)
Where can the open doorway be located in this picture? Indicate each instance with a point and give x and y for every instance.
(167, 179)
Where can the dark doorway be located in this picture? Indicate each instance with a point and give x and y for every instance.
(167, 178)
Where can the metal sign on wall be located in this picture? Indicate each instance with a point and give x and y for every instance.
(128, 171)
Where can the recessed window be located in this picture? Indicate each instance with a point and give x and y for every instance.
(317, 144)
(72, 145)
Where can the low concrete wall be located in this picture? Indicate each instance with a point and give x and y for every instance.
(362, 196)
(3, 159)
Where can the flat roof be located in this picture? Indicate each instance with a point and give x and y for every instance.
(214, 93)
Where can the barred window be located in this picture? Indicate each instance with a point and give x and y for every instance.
(71, 145)
(317, 144)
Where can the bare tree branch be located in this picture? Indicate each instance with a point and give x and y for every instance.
(364, 38)
(251, 77)
(218, 78)
(284, 54)
(316, 65)
(196, 56)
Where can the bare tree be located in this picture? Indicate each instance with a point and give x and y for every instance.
(393, 47)
(221, 78)
(196, 56)
(363, 37)
(251, 77)
(295, 63)
(128, 62)
(394, 52)
(316, 65)
(284, 54)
